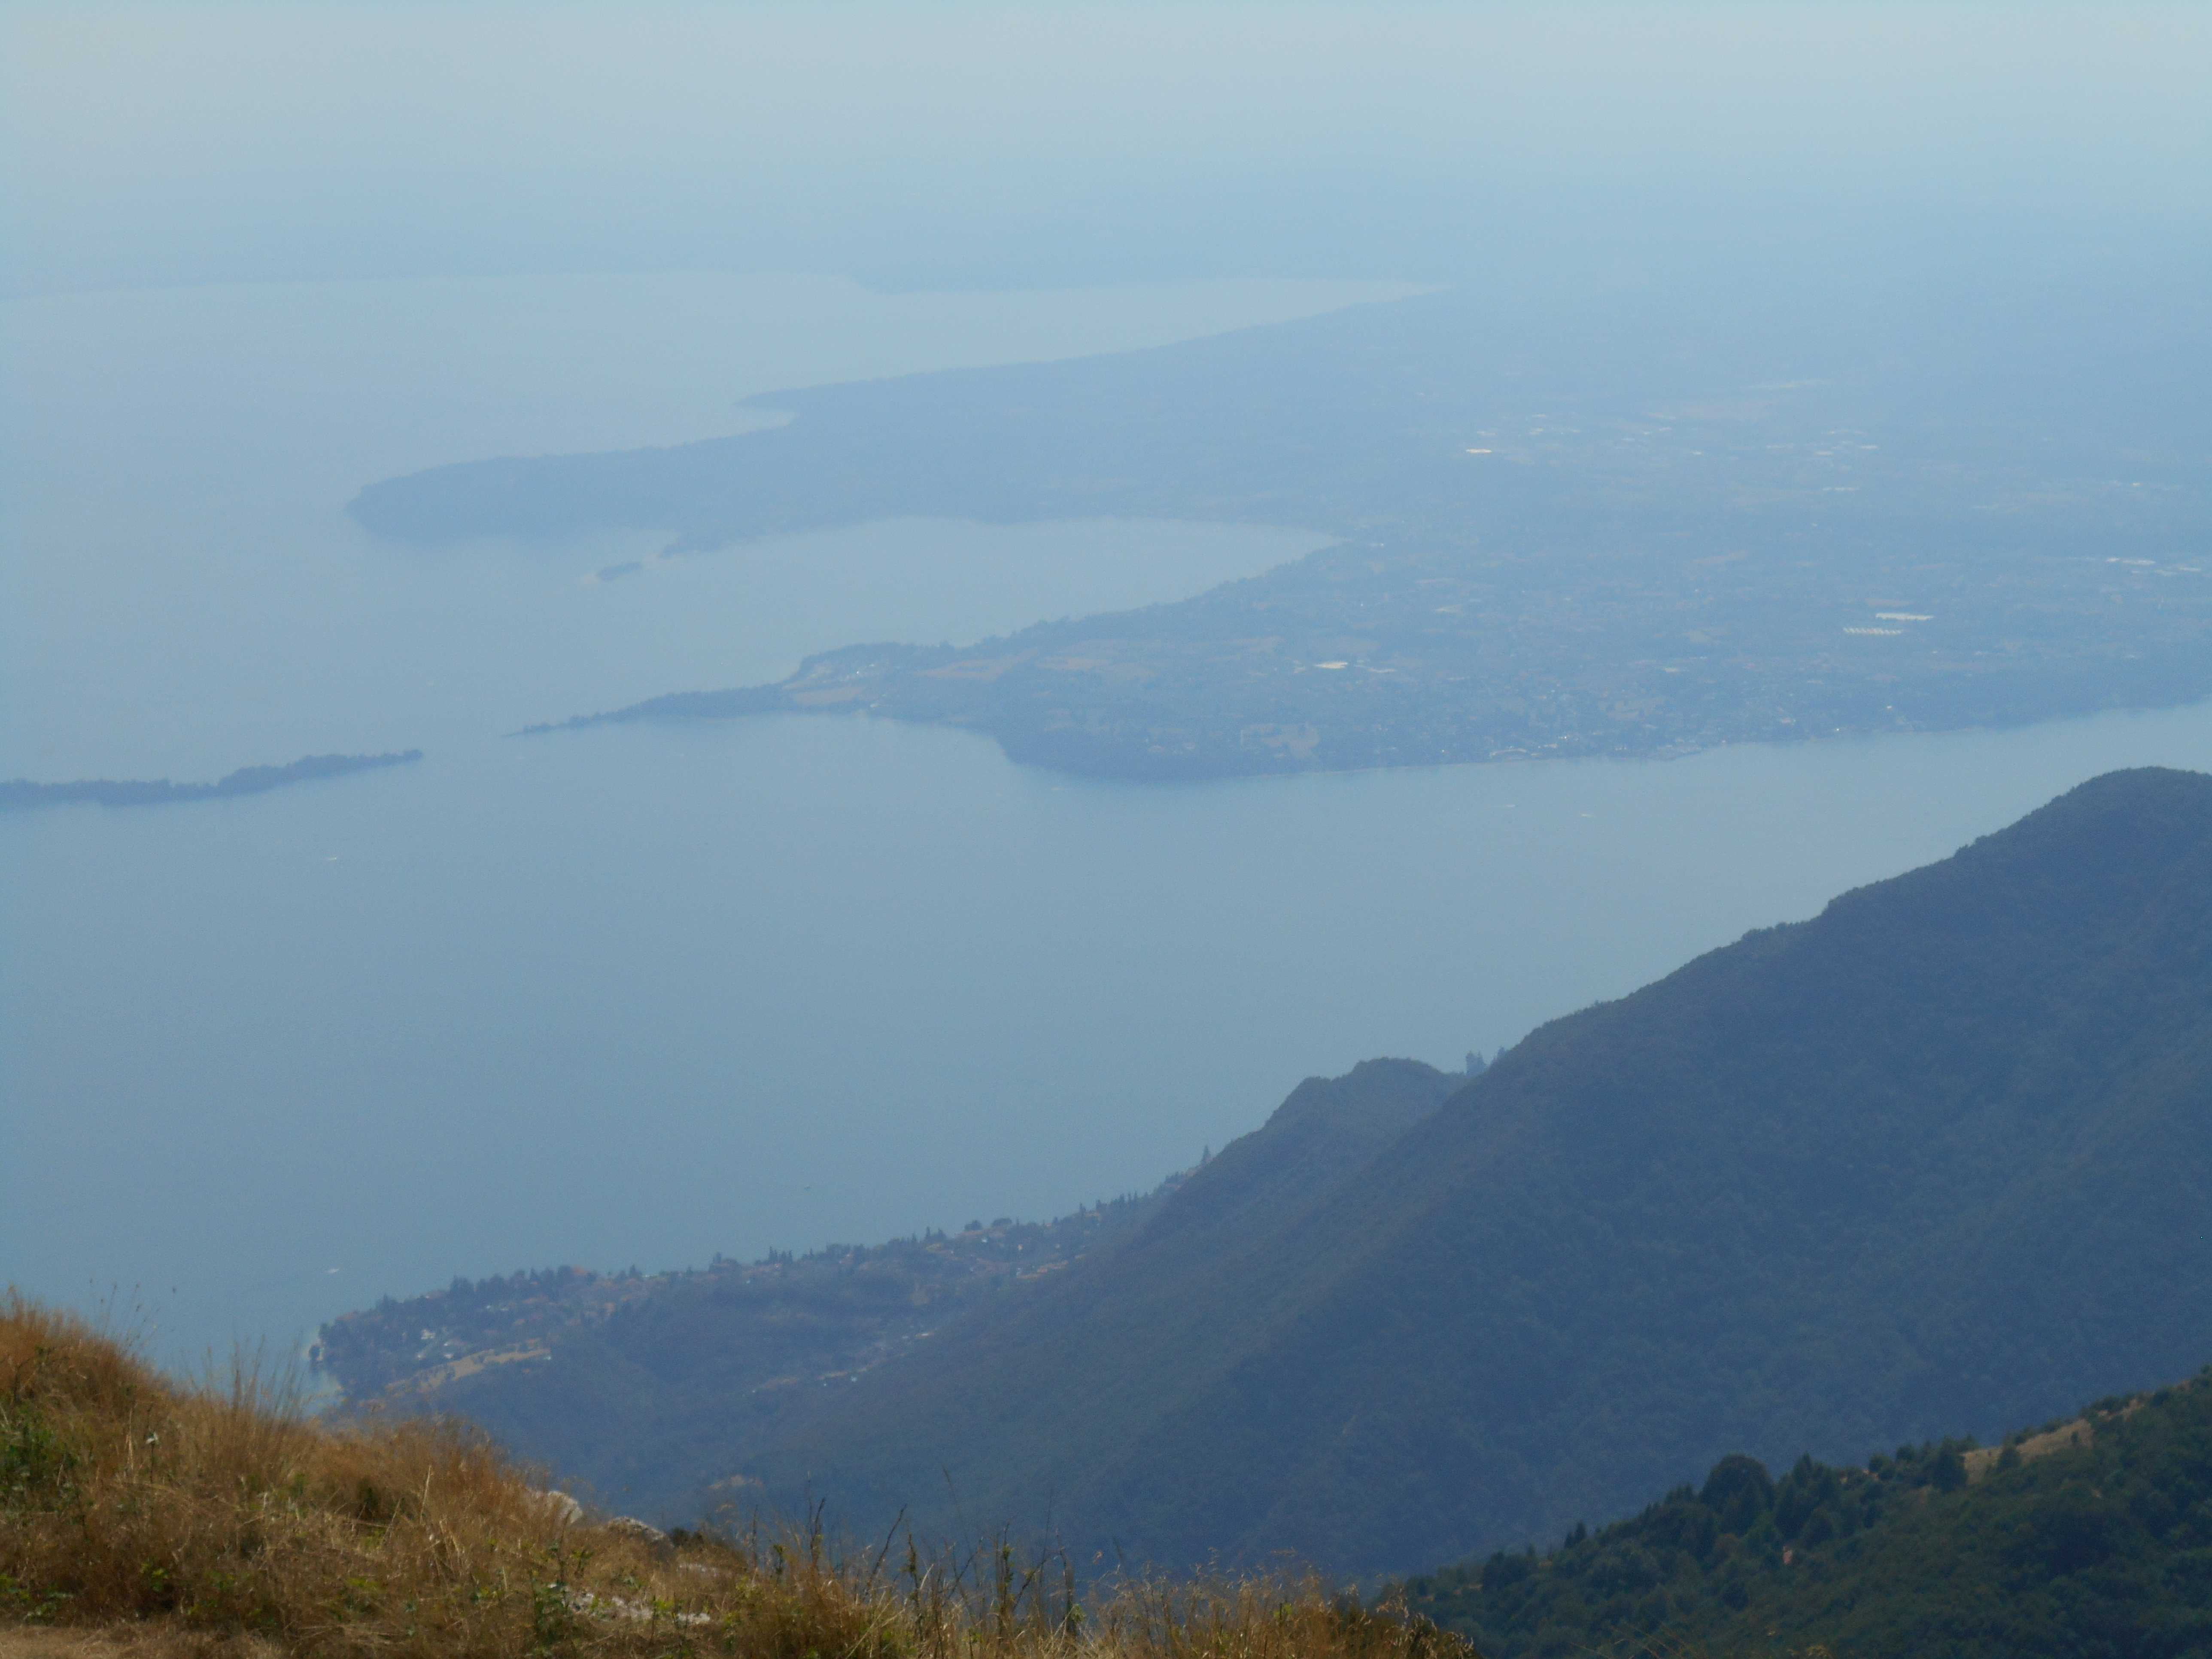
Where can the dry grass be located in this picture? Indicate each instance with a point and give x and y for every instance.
(141, 1520)
(159, 1639)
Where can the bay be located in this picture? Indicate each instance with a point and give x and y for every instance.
(641, 994)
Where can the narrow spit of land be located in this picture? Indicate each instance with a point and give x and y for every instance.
(21, 794)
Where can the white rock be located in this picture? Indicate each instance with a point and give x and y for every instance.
(561, 1507)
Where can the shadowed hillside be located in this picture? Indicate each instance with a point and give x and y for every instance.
(1933, 1161)
(659, 1393)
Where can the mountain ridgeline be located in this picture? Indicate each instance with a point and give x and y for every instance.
(1931, 1163)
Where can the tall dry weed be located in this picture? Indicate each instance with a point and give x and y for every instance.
(224, 1509)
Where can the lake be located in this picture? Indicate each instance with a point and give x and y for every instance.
(641, 994)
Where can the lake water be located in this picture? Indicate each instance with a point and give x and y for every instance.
(637, 995)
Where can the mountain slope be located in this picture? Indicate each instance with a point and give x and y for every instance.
(1935, 1160)
(2091, 1536)
(654, 1403)
(1065, 1385)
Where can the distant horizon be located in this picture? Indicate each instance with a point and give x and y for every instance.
(228, 141)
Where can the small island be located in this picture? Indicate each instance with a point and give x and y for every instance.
(21, 793)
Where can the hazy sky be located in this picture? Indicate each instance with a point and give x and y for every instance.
(993, 145)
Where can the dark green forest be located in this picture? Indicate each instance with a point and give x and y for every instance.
(2100, 1543)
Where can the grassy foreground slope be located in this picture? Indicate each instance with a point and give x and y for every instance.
(157, 1515)
(1934, 1162)
(2092, 1536)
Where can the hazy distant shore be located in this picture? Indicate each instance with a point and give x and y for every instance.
(1596, 531)
(20, 794)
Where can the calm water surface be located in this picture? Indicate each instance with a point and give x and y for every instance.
(641, 995)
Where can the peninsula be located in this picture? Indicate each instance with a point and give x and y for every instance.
(21, 794)
(1605, 524)
(1371, 656)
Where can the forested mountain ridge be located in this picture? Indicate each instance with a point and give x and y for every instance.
(1933, 1161)
(2089, 1536)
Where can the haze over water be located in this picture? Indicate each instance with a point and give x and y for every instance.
(642, 995)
